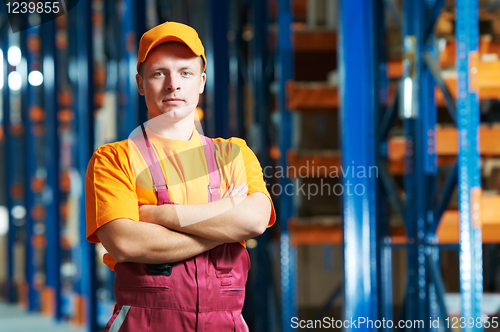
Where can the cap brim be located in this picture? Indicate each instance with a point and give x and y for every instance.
(165, 39)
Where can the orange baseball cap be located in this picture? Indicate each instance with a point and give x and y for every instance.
(170, 31)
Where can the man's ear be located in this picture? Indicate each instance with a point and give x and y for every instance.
(138, 79)
(203, 81)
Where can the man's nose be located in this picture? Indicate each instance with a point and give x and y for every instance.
(172, 83)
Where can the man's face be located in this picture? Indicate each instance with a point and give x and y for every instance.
(171, 81)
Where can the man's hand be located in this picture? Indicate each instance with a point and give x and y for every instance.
(240, 190)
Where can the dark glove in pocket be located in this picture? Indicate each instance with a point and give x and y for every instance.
(159, 269)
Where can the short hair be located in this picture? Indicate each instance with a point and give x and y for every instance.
(141, 65)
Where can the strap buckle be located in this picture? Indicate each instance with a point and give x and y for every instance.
(219, 189)
(160, 185)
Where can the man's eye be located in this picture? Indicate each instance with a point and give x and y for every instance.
(186, 73)
(157, 74)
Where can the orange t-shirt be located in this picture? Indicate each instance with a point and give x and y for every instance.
(118, 180)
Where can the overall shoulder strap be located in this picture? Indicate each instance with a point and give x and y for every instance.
(159, 183)
(221, 255)
(214, 187)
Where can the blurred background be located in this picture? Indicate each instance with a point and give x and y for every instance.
(376, 123)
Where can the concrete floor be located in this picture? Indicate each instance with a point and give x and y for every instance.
(15, 319)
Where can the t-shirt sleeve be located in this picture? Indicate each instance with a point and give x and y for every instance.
(254, 176)
(109, 189)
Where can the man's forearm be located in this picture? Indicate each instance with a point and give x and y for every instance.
(140, 242)
(226, 220)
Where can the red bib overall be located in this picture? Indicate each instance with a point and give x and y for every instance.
(203, 293)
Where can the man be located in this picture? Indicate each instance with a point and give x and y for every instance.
(154, 202)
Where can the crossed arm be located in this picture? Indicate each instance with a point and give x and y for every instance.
(176, 232)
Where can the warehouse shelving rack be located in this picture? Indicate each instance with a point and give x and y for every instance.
(44, 122)
(70, 102)
(368, 239)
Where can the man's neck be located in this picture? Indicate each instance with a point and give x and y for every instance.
(180, 130)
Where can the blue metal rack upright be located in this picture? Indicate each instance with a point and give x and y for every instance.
(140, 28)
(129, 100)
(288, 254)
(10, 171)
(258, 140)
(259, 56)
(217, 85)
(84, 112)
(52, 147)
(358, 76)
(469, 176)
(236, 66)
(33, 162)
(22, 68)
(16, 203)
(419, 118)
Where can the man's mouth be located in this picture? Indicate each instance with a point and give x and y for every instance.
(172, 100)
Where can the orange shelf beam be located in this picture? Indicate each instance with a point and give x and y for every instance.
(447, 231)
(314, 234)
(324, 163)
(488, 83)
(447, 57)
(301, 234)
(311, 96)
(314, 40)
(447, 143)
(315, 96)
(320, 96)
(312, 165)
